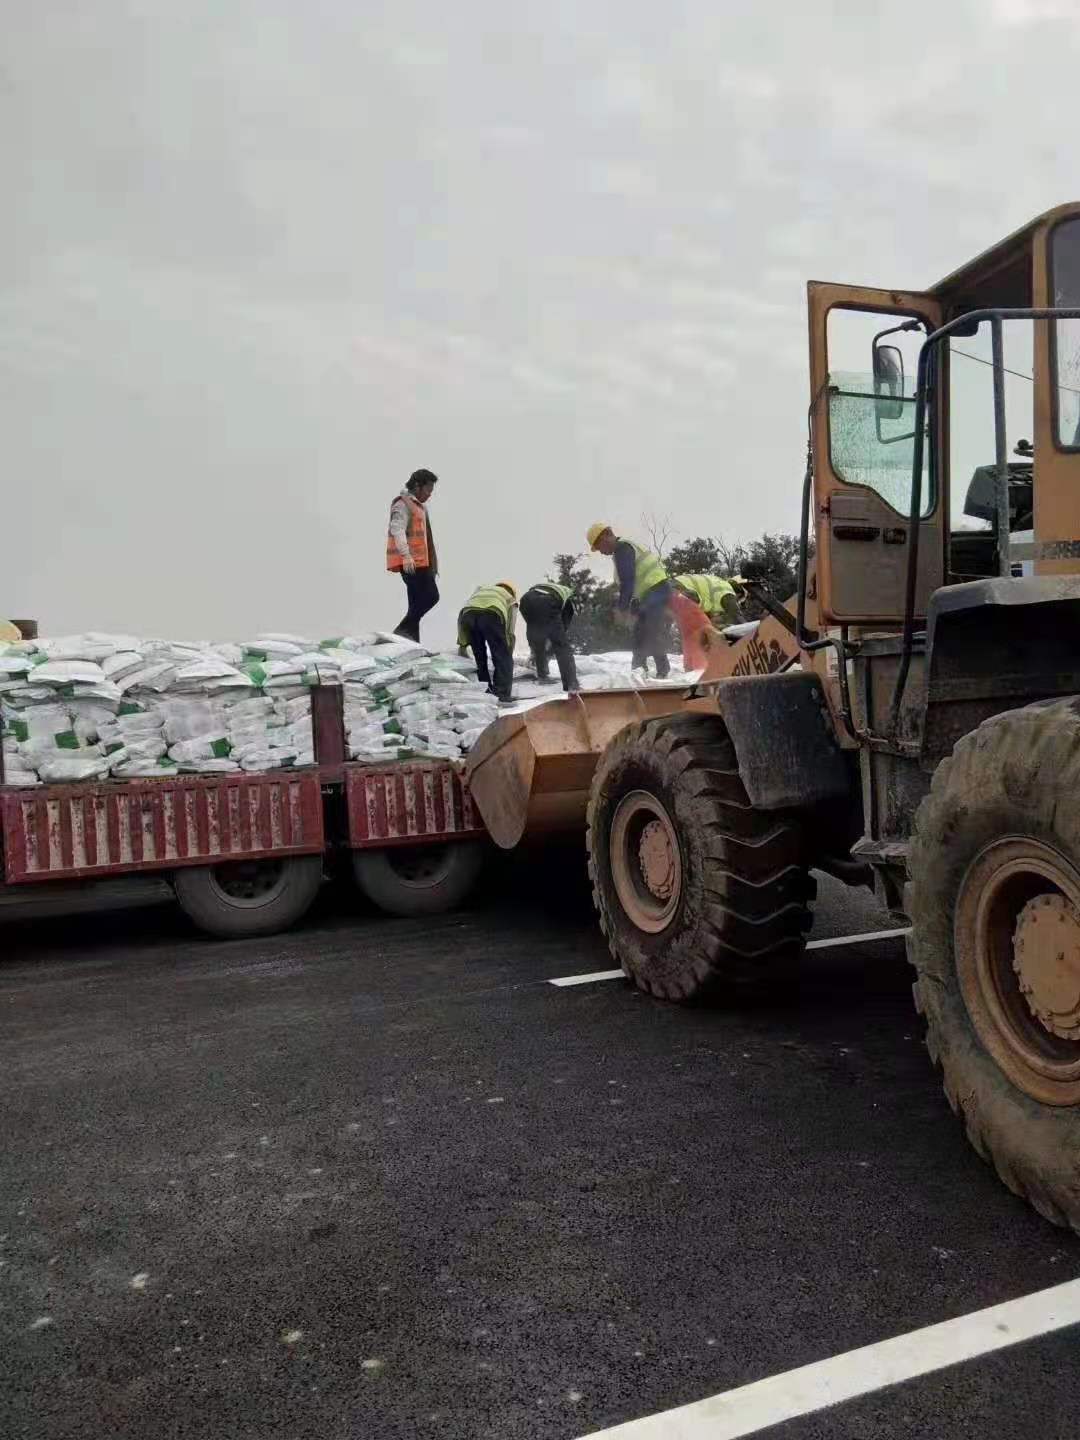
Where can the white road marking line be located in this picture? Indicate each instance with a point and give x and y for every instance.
(587, 979)
(768, 1402)
(811, 945)
(856, 939)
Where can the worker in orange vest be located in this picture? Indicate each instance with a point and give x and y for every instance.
(410, 550)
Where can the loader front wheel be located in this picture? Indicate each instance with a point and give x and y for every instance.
(994, 902)
(697, 892)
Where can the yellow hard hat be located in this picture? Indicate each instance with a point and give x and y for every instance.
(594, 532)
(508, 585)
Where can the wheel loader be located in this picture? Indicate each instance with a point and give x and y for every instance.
(920, 730)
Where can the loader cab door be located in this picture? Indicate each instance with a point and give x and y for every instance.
(864, 350)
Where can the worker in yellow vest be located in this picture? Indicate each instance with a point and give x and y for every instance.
(645, 594)
(410, 551)
(547, 610)
(701, 602)
(715, 595)
(486, 626)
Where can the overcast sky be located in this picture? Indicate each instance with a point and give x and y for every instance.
(262, 259)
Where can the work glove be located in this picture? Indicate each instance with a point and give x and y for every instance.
(408, 564)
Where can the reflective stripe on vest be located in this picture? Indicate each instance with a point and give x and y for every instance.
(562, 593)
(648, 570)
(708, 590)
(416, 536)
(495, 598)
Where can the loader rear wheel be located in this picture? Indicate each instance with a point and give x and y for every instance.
(697, 892)
(249, 897)
(994, 902)
(414, 880)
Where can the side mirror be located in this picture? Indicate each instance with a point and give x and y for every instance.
(888, 383)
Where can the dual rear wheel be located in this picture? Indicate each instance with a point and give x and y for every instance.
(260, 897)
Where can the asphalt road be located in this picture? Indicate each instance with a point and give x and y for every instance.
(378, 1178)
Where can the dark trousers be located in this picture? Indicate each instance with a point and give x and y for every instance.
(546, 619)
(652, 624)
(487, 634)
(423, 595)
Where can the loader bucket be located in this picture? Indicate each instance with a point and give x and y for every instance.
(530, 773)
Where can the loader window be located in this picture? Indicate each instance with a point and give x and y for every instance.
(871, 444)
(1065, 282)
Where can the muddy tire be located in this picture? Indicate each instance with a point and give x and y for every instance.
(419, 880)
(242, 898)
(697, 892)
(994, 902)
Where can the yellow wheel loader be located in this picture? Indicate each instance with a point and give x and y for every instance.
(920, 727)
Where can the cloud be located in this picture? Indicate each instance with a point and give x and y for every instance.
(260, 260)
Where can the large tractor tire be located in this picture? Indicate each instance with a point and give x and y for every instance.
(994, 902)
(416, 880)
(249, 897)
(697, 892)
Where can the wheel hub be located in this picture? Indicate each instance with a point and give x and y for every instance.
(1016, 930)
(657, 859)
(1046, 957)
(646, 862)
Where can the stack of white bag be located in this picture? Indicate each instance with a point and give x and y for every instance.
(89, 706)
(403, 701)
(86, 707)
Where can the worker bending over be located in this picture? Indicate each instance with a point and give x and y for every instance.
(486, 626)
(547, 610)
(644, 595)
(715, 595)
(410, 551)
(699, 603)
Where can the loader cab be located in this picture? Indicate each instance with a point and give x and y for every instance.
(944, 496)
(865, 349)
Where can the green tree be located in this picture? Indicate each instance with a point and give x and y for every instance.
(772, 560)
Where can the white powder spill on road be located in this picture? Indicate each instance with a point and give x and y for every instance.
(41, 1323)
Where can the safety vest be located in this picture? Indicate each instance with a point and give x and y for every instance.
(709, 591)
(416, 535)
(489, 597)
(562, 593)
(648, 569)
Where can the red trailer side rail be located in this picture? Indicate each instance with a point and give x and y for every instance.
(408, 804)
(62, 832)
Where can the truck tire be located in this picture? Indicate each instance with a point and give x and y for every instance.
(697, 892)
(994, 904)
(249, 897)
(412, 880)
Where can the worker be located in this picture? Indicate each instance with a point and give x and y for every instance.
(547, 610)
(644, 598)
(715, 595)
(699, 603)
(410, 550)
(486, 626)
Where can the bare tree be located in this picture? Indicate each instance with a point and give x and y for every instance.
(658, 529)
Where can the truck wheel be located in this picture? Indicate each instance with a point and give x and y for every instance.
(419, 879)
(994, 903)
(697, 892)
(249, 897)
